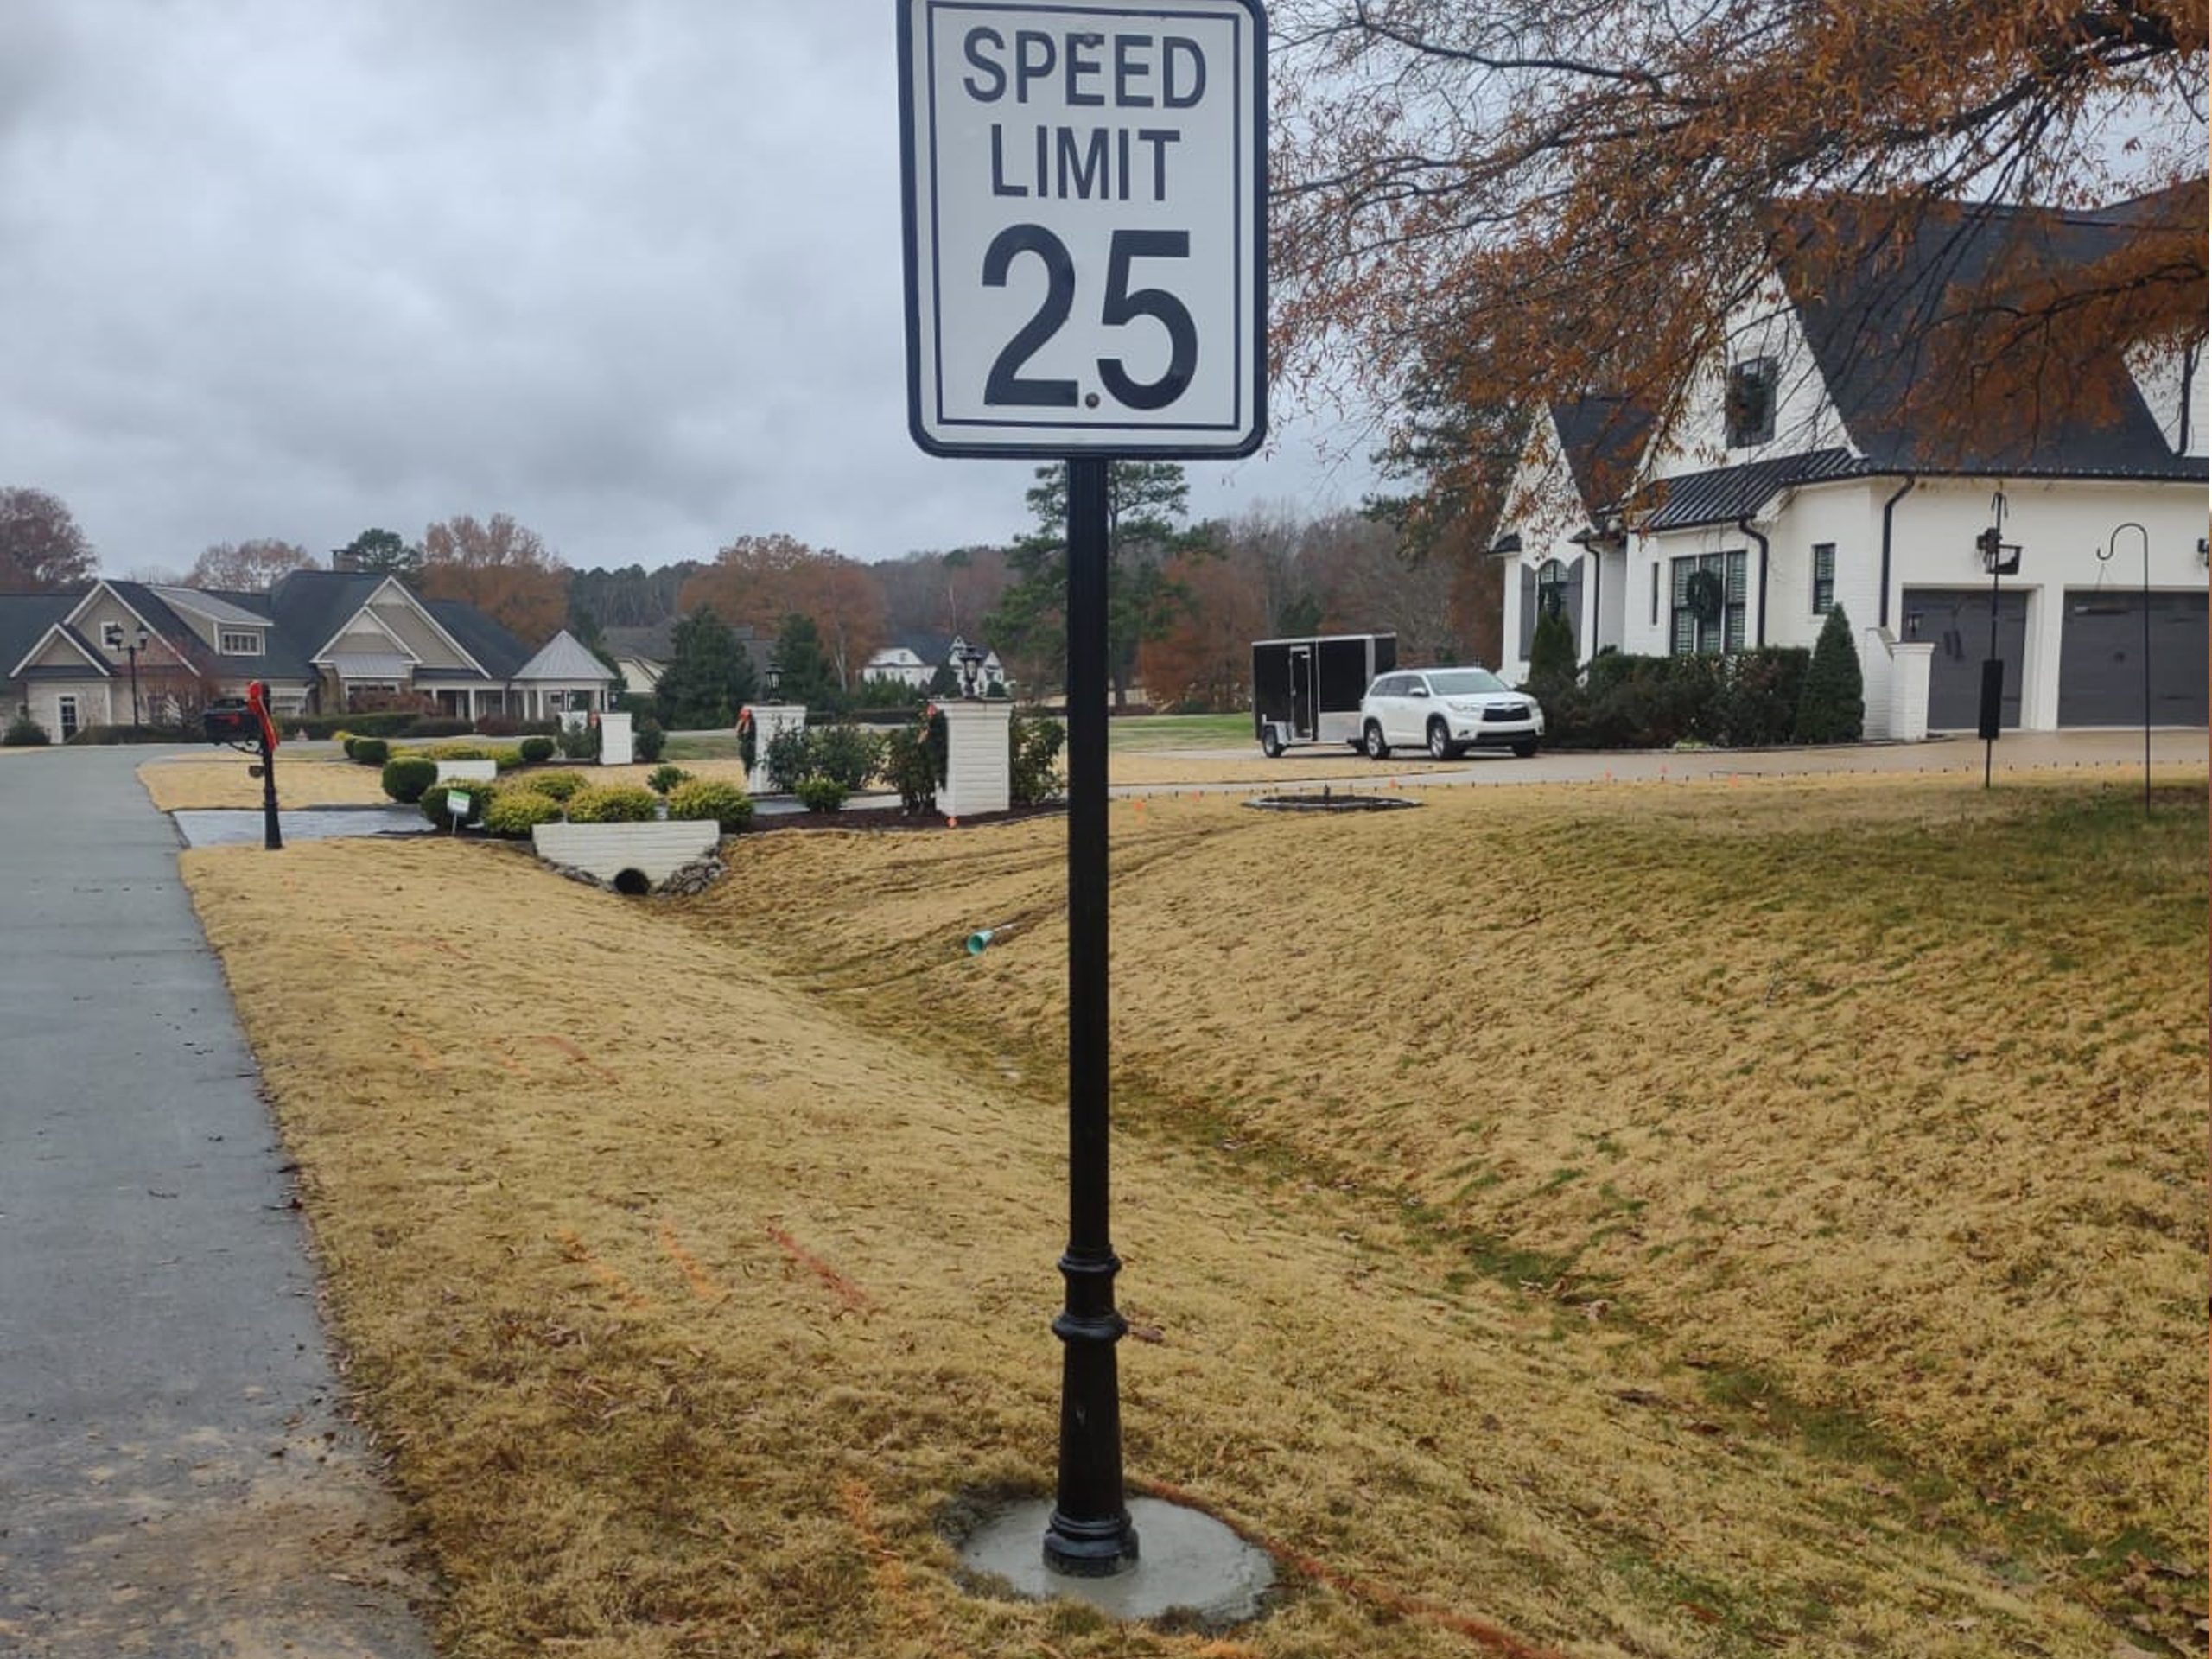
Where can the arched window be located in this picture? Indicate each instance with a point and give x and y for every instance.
(1551, 589)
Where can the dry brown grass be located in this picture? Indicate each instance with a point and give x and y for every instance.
(1707, 1220)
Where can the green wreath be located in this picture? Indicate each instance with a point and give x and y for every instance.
(1705, 594)
(748, 738)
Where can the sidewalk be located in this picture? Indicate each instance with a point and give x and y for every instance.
(177, 1476)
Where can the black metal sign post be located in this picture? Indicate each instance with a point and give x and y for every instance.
(1089, 1535)
(1086, 282)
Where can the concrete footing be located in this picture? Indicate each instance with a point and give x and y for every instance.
(1188, 1564)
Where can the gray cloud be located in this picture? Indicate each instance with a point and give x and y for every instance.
(628, 272)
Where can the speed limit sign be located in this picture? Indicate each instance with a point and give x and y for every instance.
(1086, 219)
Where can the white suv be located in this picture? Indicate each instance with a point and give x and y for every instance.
(1449, 710)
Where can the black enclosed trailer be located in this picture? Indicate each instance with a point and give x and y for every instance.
(1308, 690)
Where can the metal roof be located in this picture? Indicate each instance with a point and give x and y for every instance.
(1727, 493)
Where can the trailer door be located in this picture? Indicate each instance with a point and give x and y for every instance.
(1301, 691)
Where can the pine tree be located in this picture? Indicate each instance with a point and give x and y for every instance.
(709, 676)
(1831, 709)
(1551, 654)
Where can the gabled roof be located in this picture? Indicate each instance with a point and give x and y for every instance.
(655, 645)
(282, 660)
(26, 620)
(1727, 493)
(311, 606)
(1917, 327)
(1602, 436)
(493, 648)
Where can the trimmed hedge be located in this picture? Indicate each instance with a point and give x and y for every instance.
(436, 810)
(613, 804)
(701, 798)
(559, 784)
(536, 751)
(514, 813)
(406, 776)
(1744, 701)
(370, 752)
(23, 732)
(821, 793)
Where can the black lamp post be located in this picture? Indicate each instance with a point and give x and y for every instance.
(971, 667)
(132, 648)
(2103, 555)
(775, 680)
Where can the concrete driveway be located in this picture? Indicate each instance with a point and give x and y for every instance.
(178, 1476)
(2015, 752)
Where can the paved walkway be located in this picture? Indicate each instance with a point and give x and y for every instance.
(177, 1476)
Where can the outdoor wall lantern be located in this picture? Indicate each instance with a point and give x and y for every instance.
(775, 678)
(971, 667)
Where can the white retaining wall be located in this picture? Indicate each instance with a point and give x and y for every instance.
(655, 851)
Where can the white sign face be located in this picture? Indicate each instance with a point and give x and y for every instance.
(1086, 256)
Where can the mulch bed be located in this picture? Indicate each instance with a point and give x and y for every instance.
(878, 819)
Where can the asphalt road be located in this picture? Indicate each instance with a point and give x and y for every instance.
(177, 1473)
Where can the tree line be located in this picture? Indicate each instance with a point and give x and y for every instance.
(1185, 599)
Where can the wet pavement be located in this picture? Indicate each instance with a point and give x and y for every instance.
(178, 1473)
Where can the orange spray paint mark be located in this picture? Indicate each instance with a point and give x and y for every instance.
(855, 1299)
(701, 1282)
(578, 1057)
(572, 1250)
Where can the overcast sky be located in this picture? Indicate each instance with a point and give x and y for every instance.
(627, 269)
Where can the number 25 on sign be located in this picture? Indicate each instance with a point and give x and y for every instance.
(1085, 226)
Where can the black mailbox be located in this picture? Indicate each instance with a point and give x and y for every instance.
(231, 719)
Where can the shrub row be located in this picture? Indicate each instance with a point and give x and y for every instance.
(1655, 702)
(512, 807)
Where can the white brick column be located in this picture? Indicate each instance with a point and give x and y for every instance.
(978, 763)
(768, 719)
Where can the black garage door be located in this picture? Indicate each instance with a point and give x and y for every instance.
(2101, 659)
(1955, 620)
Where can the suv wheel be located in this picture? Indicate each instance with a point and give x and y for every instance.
(1376, 748)
(1441, 746)
(1270, 744)
(1525, 748)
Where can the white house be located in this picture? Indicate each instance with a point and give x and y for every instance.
(915, 659)
(1805, 467)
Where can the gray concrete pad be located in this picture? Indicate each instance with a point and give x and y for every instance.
(1188, 1564)
(178, 1473)
(228, 827)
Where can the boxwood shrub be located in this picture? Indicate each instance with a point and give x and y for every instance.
(435, 809)
(536, 751)
(406, 776)
(559, 784)
(515, 812)
(368, 751)
(613, 804)
(821, 793)
(711, 797)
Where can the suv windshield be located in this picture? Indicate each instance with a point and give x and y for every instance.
(1460, 682)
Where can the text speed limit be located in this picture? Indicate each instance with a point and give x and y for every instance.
(1085, 258)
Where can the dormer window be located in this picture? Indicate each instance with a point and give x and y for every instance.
(1751, 402)
(239, 642)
